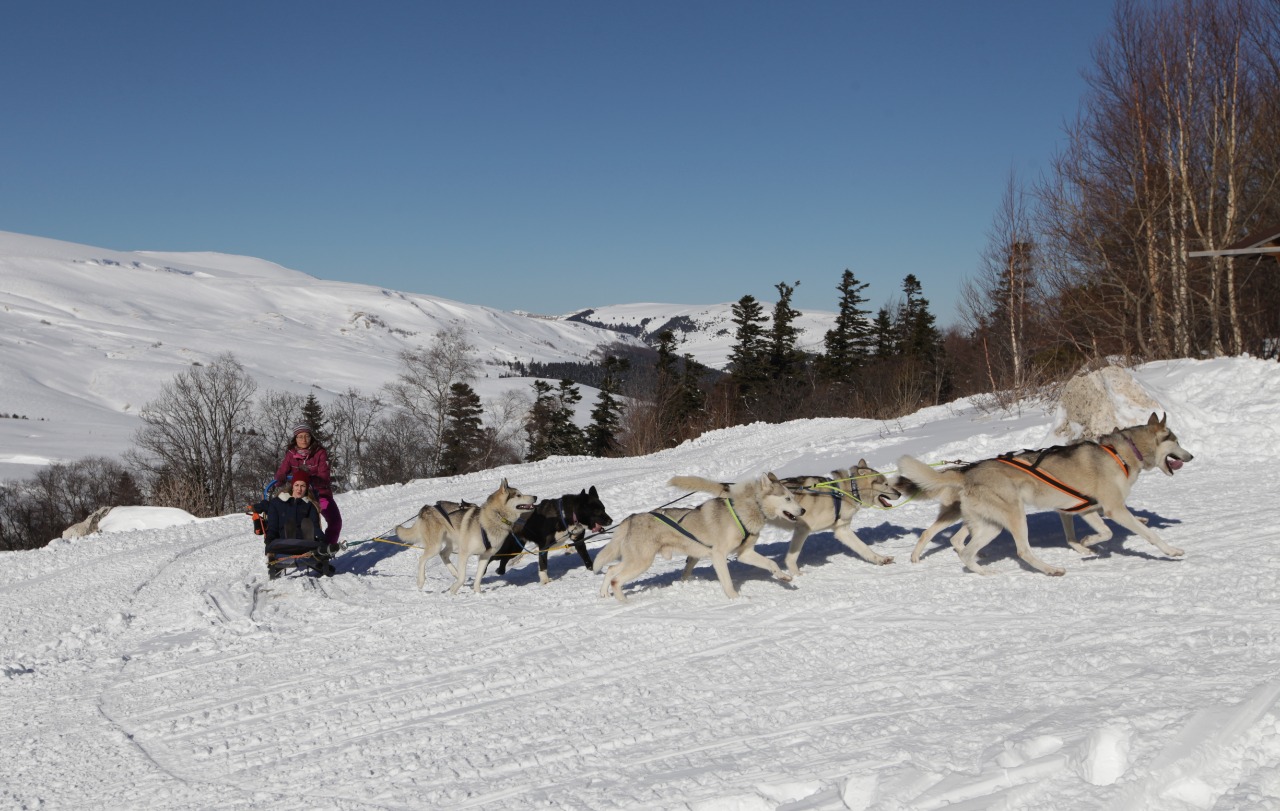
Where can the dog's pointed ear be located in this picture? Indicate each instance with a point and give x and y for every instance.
(504, 485)
(1163, 418)
(771, 476)
(592, 492)
(862, 462)
(1153, 420)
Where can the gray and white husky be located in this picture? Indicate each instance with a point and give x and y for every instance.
(829, 503)
(716, 529)
(466, 529)
(1086, 478)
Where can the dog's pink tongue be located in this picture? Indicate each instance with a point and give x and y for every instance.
(1175, 464)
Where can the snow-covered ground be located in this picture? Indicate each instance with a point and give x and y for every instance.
(158, 668)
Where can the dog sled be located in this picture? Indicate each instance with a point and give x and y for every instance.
(294, 548)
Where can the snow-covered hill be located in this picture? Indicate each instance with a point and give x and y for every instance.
(89, 335)
(158, 668)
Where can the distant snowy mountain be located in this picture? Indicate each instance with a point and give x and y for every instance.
(89, 335)
(704, 331)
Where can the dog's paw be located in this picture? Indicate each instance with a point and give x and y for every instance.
(881, 560)
(783, 576)
(1175, 552)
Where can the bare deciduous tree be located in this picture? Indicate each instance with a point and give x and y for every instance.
(354, 416)
(194, 432)
(997, 304)
(423, 383)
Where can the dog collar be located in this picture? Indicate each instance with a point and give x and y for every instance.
(1135, 447)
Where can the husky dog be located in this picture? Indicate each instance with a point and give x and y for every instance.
(467, 529)
(829, 505)
(716, 528)
(551, 523)
(949, 513)
(1085, 477)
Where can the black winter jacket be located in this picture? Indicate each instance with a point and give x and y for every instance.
(295, 518)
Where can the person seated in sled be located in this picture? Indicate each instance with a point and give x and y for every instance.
(305, 453)
(292, 515)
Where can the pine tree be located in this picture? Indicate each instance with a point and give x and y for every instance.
(847, 344)
(693, 401)
(784, 359)
(537, 424)
(565, 437)
(313, 415)
(749, 354)
(606, 416)
(920, 336)
(666, 382)
(884, 335)
(463, 433)
(550, 427)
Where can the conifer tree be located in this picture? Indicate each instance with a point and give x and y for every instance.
(313, 415)
(884, 335)
(606, 416)
(848, 343)
(748, 356)
(784, 359)
(566, 438)
(537, 424)
(463, 433)
(920, 336)
(693, 401)
(549, 426)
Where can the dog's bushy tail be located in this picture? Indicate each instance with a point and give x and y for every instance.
(701, 485)
(613, 549)
(915, 478)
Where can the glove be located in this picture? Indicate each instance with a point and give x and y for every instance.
(330, 549)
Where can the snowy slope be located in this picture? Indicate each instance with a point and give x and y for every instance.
(88, 336)
(158, 668)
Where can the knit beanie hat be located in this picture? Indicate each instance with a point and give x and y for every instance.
(303, 476)
(301, 428)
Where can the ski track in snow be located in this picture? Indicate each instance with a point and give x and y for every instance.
(160, 669)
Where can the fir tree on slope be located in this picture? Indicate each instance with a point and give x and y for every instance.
(785, 361)
(550, 427)
(847, 344)
(749, 353)
(464, 434)
(606, 416)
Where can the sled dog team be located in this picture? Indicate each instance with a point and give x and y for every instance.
(1091, 479)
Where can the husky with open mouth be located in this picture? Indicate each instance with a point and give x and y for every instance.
(1085, 478)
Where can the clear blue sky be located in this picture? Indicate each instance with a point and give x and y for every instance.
(544, 156)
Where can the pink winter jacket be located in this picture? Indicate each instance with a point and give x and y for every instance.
(314, 460)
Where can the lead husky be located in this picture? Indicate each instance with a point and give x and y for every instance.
(949, 513)
(829, 505)
(716, 528)
(465, 529)
(1087, 477)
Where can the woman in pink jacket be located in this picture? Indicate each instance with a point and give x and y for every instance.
(305, 453)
